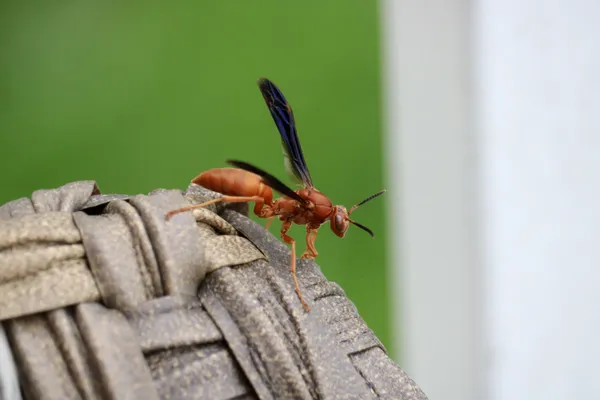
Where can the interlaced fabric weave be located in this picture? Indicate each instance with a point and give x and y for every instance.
(101, 298)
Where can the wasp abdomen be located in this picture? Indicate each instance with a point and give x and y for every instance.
(234, 182)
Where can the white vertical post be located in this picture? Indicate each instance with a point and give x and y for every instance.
(538, 96)
(432, 206)
(493, 127)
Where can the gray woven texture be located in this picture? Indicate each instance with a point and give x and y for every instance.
(100, 297)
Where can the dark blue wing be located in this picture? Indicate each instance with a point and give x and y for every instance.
(268, 179)
(284, 119)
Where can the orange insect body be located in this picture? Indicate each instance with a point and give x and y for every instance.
(306, 206)
(239, 183)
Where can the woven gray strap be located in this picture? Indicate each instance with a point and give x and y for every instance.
(101, 297)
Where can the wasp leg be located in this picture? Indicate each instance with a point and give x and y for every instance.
(224, 199)
(311, 236)
(268, 224)
(284, 236)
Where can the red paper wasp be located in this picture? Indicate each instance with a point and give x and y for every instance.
(306, 206)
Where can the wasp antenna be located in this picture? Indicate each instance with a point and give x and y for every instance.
(371, 197)
(364, 228)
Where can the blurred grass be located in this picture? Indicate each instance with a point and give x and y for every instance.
(139, 96)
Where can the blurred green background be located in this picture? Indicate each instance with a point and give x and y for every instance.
(145, 95)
